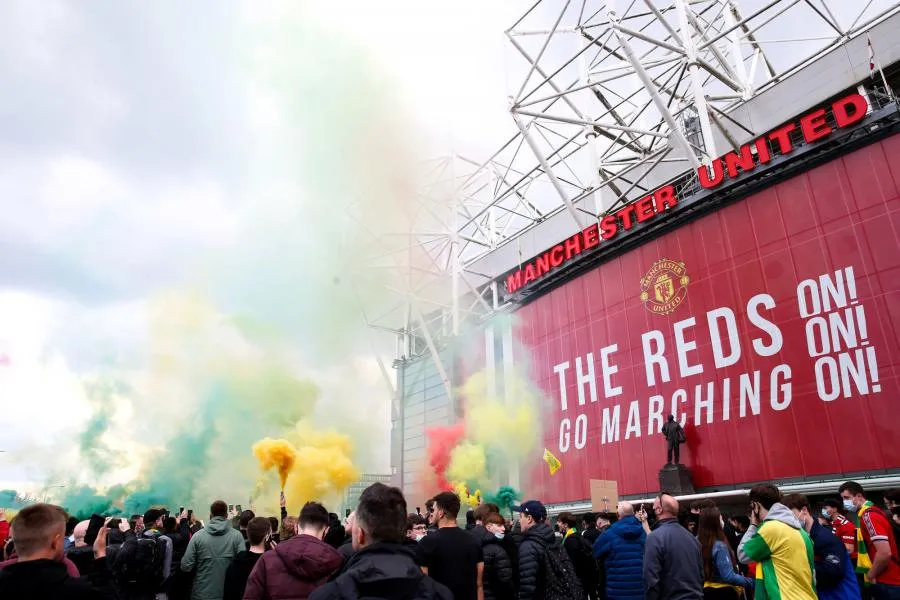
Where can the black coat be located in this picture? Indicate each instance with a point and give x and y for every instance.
(510, 544)
(386, 571)
(512, 551)
(346, 550)
(83, 557)
(238, 573)
(48, 580)
(591, 534)
(180, 538)
(581, 554)
(412, 546)
(516, 535)
(498, 570)
(532, 561)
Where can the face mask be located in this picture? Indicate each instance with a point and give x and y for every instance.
(848, 505)
(419, 537)
(825, 513)
(499, 536)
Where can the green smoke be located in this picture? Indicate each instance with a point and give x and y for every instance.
(504, 498)
(12, 499)
(83, 501)
(209, 458)
(101, 394)
(340, 174)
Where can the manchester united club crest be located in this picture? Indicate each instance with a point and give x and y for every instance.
(664, 287)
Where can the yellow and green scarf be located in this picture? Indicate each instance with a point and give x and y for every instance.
(863, 562)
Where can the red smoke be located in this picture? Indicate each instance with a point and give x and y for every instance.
(441, 440)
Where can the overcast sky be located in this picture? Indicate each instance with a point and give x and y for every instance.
(152, 147)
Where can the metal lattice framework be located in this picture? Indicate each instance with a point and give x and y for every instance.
(609, 99)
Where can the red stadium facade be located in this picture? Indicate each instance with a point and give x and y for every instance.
(769, 327)
(677, 242)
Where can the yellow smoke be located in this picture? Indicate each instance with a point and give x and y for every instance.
(278, 454)
(510, 427)
(466, 499)
(323, 467)
(259, 487)
(467, 463)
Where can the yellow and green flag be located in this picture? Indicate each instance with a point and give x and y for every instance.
(552, 462)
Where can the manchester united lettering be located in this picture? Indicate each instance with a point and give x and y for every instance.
(811, 127)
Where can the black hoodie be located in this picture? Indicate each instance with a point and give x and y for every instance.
(48, 580)
(386, 571)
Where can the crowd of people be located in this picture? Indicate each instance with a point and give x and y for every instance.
(785, 548)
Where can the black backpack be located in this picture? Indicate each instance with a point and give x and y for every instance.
(560, 580)
(145, 566)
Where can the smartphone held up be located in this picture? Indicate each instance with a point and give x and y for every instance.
(94, 526)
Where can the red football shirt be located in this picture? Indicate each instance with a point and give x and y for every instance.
(846, 532)
(876, 527)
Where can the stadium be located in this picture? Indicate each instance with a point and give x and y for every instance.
(698, 215)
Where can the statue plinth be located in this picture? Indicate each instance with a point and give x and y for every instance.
(676, 480)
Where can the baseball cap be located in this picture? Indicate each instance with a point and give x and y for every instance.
(152, 515)
(533, 508)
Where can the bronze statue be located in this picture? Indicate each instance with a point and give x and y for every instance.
(674, 433)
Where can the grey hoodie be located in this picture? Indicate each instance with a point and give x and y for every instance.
(210, 551)
(778, 512)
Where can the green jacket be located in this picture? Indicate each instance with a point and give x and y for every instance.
(210, 551)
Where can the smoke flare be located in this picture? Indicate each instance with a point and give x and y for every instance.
(504, 498)
(323, 468)
(465, 498)
(279, 454)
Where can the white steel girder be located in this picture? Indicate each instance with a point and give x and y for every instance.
(609, 98)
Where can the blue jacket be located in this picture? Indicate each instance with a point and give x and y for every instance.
(835, 578)
(723, 568)
(622, 549)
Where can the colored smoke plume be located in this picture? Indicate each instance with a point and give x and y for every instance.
(467, 463)
(323, 468)
(505, 497)
(243, 350)
(465, 498)
(509, 427)
(441, 441)
(238, 387)
(101, 392)
(231, 390)
(84, 501)
(12, 499)
(278, 454)
(497, 433)
(343, 171)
